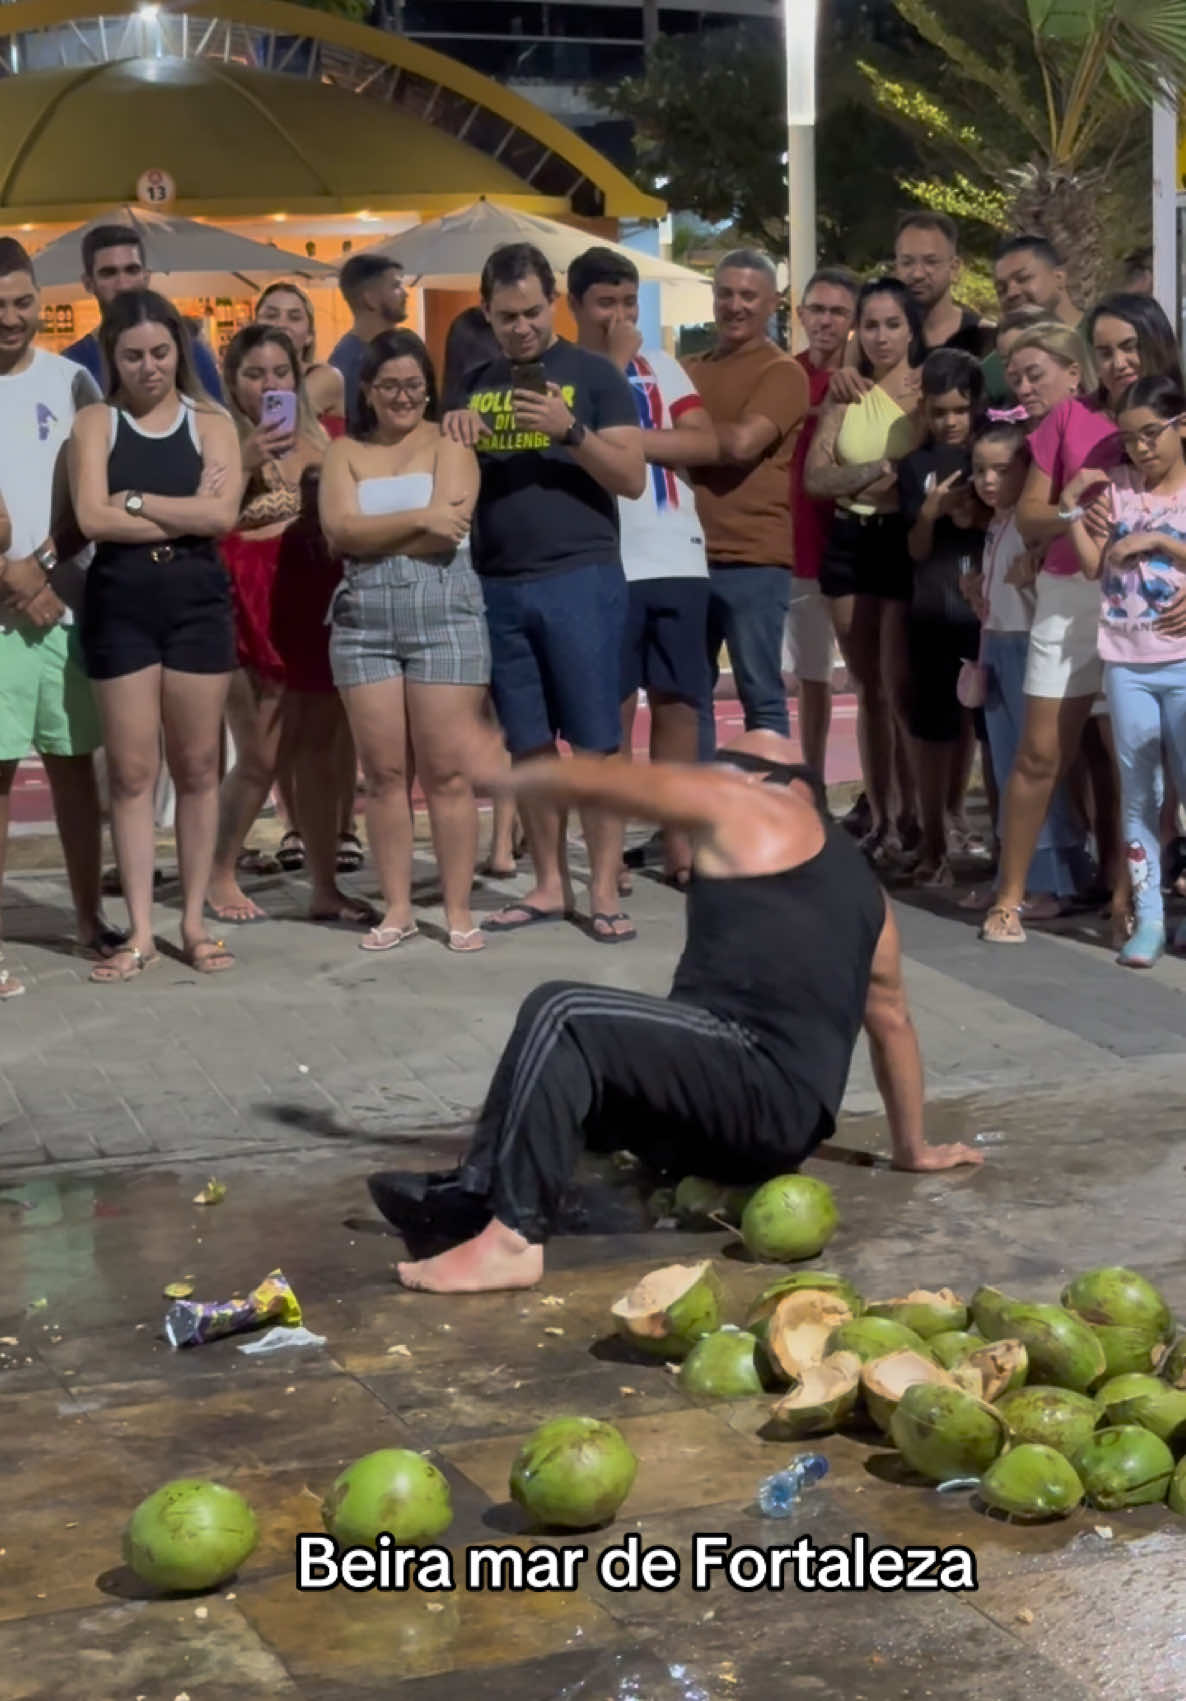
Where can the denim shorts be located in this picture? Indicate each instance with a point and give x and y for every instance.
(556, 655)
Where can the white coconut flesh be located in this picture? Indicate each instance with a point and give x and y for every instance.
(799, 1326)
(823, 1384)
(997, 1364)
(645, 1309)
(892, 1375)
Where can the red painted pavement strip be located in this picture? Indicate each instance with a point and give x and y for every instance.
(31, 805)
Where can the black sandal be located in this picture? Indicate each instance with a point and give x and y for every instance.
(350, 853)
(291, 854)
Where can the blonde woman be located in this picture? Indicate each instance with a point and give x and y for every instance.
(283, 711)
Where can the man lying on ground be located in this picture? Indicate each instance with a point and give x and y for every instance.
(738, 1074)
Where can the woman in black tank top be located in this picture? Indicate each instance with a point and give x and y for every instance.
(155, 476)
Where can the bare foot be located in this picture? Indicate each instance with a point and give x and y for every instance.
(231, 903)
(497, 1258)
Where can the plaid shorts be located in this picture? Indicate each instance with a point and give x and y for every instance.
(400, 617)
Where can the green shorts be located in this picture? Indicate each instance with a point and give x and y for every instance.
(46, 702)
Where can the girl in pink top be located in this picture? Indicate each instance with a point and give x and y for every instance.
(1074, 448)
(1140, 559)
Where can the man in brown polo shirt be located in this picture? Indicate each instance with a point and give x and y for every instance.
(758, 398)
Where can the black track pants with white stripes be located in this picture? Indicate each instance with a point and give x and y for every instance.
(688, 1092)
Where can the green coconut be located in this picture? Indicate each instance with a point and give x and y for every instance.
(1062, 1348)
(789, 1218)
(726, 1365)
(819, 1281)
(573, 1473)
(1173, 1365)
(701, 1204)
(1049, 1417)
(942, 1432)
(1031, 1482)
(824, 1396)
(1177, 1493)
(1124, 1466)
(666, 1313)
(189, 1535)
(925, 1312)
(1121, 1298)
(873, 1337)
(394, 1491)
(1128, 1350)
(796, 1333)
(1125, 1387)
(953, 1346)
(1159, 1409)
(885, 1380)
(1003, 1366)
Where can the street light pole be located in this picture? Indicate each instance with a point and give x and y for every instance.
(1165, 208)
(802, 23)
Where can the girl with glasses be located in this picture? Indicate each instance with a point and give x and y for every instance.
(409, 645)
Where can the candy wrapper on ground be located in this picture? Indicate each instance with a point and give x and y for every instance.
(191, 1323)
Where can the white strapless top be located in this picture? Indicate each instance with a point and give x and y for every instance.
(395, 494)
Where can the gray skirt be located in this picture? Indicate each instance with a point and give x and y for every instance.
(402, 617)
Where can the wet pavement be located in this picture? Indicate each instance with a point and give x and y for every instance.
(317, 1065)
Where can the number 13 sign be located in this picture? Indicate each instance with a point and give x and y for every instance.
(155, 189)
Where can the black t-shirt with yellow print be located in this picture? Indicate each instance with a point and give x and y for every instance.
(538, 512)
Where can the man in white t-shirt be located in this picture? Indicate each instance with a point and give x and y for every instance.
(46, 703)
(665, 650)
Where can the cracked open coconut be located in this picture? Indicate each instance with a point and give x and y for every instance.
(824, 1396)
(927, 1313)
(885, 1380)
(798, 1328)
(666, 1313)
(1002, 1365)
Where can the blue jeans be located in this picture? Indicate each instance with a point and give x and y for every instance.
(1147, 702)
(747, 612)
(1061, 864)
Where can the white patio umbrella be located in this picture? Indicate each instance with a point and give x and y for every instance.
(186, 257)
(449, 252)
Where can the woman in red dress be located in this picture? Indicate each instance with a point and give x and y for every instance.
(283, 711)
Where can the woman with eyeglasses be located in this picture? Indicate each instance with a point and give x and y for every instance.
(1140, 558)
(409, 646)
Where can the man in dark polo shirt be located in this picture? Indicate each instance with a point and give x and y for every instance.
(558, 439)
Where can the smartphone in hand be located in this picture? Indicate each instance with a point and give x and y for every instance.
(278, 411)
(529, 375)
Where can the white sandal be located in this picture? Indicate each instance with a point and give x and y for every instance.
(387, 938)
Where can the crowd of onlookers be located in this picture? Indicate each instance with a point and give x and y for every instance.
(362, 564)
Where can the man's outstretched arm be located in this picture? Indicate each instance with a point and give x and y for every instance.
(897, 1062)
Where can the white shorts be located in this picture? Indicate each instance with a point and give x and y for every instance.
(808, 641)
(1064, 659)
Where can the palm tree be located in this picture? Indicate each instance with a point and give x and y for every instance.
(1067, 81)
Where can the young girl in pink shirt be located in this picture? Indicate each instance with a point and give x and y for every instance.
(1141, 565)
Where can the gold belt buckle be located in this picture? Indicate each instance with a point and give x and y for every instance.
(161, 552)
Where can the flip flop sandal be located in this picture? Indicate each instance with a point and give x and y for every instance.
(387, 938)
(350, 853)
(612, 938)
(466, 943)
(109, 973)
(224, 913)
(531, 918)
(291, 854)
(256, 862)
(490, 872)
(1000, 937)
(215, 960)
(112, 886)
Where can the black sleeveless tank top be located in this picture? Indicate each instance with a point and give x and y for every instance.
(789, 956)
(972, 337)
(168, 464)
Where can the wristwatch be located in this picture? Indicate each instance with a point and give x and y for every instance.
(46, 558)
(134, 502)
(575, 435)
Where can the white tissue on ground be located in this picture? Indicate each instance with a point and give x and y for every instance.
(277, 1340)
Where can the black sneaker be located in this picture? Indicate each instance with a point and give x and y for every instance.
(428, 1203)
